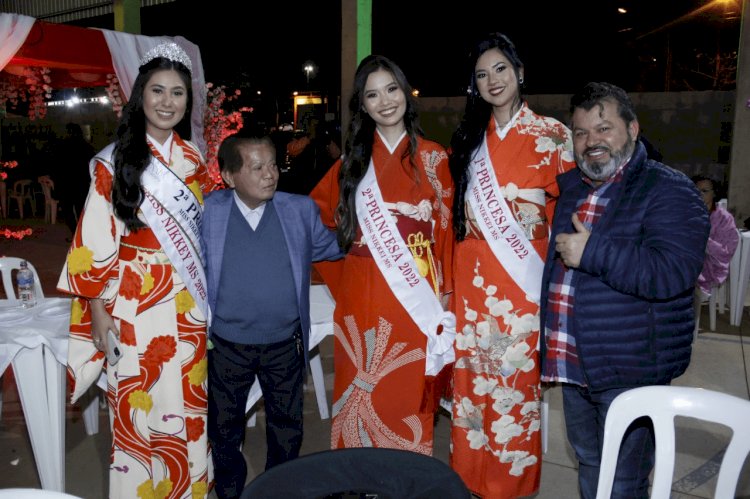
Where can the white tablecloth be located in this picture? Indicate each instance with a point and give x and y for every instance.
(35, 342)
(739, 275)
(45, 324)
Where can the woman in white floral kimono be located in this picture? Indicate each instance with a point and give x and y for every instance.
(135, 268)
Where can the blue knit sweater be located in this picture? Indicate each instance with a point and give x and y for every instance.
(256, 300)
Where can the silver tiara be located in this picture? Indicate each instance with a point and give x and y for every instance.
(168, 50)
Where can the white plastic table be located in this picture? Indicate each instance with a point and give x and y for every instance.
(35, 342)
(739, 275)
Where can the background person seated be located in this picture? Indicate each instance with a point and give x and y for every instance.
(722, 241)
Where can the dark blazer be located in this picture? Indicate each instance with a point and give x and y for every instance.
(633, 314)
(307, 238)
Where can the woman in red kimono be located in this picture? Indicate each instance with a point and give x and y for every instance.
(392, 192)
(504, 159)
(135, 268)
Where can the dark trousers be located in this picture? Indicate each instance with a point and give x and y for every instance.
(585, 414)
(232, 368)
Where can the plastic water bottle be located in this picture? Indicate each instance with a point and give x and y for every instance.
(25, 284)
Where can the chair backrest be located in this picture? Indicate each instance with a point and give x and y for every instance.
(389, 473)
(22, 188)
(46, 180)
(47, 186)
(662, 404)
(7, 265)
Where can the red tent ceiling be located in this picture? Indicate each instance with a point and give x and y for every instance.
(77, 57)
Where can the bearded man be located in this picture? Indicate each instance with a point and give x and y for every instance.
(627, 246)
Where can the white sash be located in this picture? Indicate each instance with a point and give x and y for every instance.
(507, 240)
(174, 215)
(399, 269)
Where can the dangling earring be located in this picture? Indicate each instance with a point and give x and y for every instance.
(520, 81)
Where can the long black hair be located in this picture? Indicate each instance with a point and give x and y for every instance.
(470, 132)
(359, 140)
(132, 153)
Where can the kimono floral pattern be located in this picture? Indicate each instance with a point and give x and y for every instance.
(157, 391)
(551, 139)
(496, 341)
(495, 436)
(431, 160)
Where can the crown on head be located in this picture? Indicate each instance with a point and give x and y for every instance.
(168, 50)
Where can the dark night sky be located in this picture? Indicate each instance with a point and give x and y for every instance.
(563, 43)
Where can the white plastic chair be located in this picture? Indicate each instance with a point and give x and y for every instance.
(322, 312)
(322, 304)
(718, 298)
(316, 370)
(717, 301)
(662, 404)
(21, 193)
(3, 199)
(34, 494)
(7, 265)
(50, 203)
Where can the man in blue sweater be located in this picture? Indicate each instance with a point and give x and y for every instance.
(259, 246)
(627, 246)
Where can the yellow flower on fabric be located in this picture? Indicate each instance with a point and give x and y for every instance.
(146, 490)
(163, 489)
(184, 301)
(199, 490)
(148, 283)
(195, 188)
(198, 374)
(140, 400)
(76, 312)
(80, 260)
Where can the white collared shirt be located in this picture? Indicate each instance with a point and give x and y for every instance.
(252, 216)
(164, 149)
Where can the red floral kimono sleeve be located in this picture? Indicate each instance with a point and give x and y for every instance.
(92, 260)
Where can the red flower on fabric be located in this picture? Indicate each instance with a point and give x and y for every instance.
(194, 427)
(127, 333)
(104, 182)
(130, 286)
(160, 350)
